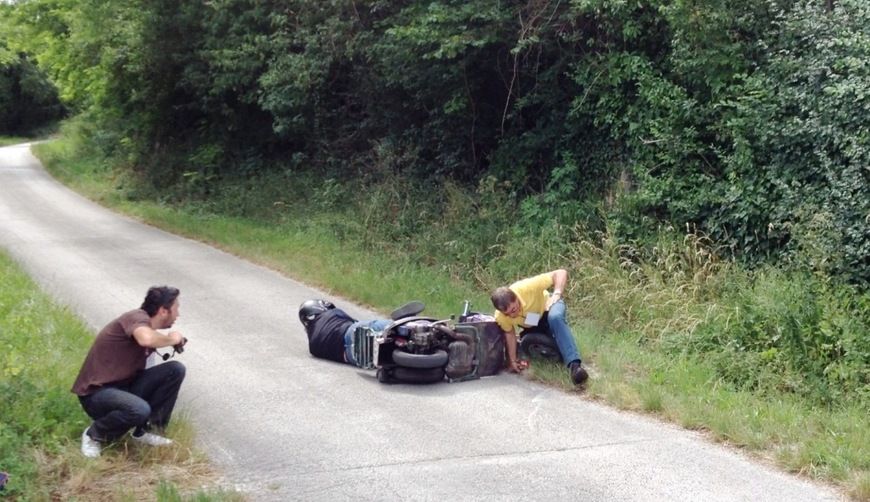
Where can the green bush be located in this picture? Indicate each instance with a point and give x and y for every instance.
(796, 169)
(28, 100)
(744, 120)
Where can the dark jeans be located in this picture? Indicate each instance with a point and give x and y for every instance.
(147, 401)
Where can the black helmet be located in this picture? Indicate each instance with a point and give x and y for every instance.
(310, 310)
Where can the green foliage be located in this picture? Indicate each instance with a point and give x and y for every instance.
(792, 333)
(39, 414)
(28, 100)
(746, 120)
(770, 332)
(66, 39)
(798, 171)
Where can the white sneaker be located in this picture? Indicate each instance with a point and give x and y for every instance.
(90, 447)
(153, 439)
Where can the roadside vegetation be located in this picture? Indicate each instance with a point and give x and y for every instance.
(41, 421)
(43, 133)
(11, 140)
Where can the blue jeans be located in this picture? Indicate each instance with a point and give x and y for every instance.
(147, 401)
(562, 333)
(374, 324)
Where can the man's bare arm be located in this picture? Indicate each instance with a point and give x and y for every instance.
(510, 342)
(153, 339)
(560, 280)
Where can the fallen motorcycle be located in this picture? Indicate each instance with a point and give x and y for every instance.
(420, 349)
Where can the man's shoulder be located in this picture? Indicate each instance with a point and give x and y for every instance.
(336, 312)
(135, 314)
(127, 322)
(133, 319)
(332, 315)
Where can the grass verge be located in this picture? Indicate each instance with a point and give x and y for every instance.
(41, 421)
(11, 140)
(635, 333)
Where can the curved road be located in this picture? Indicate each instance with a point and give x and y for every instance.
(285, 426)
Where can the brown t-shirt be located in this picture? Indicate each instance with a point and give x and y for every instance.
(115, 357)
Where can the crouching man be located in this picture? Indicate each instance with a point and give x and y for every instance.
(113, 386)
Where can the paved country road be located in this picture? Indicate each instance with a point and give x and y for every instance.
(285, 426)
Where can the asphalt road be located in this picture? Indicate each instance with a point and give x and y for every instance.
(285, 426)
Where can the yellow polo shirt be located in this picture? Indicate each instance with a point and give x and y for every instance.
(532, 294)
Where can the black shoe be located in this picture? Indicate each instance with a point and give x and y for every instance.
(407, 310)
(578, 374)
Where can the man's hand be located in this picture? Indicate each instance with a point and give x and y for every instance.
(179, 347)
(517, 366)
(554, 297)
(175, 335)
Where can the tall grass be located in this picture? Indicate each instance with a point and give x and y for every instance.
(770, 360)
(41, 421)
(769, 331)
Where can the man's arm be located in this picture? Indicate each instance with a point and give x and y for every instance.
(148, 337)
(560, 280)
(510, 342)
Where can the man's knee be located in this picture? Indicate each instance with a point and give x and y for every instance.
(138, 412)
(176, 370)
(556, 315)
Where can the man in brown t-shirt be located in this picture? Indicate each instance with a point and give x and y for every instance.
(114, 387)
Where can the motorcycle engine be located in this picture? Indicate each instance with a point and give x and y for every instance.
(423, 340)
(421, 336)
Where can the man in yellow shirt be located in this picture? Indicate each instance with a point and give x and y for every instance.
(528, 303)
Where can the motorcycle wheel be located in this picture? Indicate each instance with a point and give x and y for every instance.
(541, 346)
(420, 361)
(417, 375)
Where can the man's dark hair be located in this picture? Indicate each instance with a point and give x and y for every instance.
(159, 296)
(502, 298)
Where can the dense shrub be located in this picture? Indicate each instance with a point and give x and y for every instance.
(746, 120)
(28, 101)
(798, 167)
